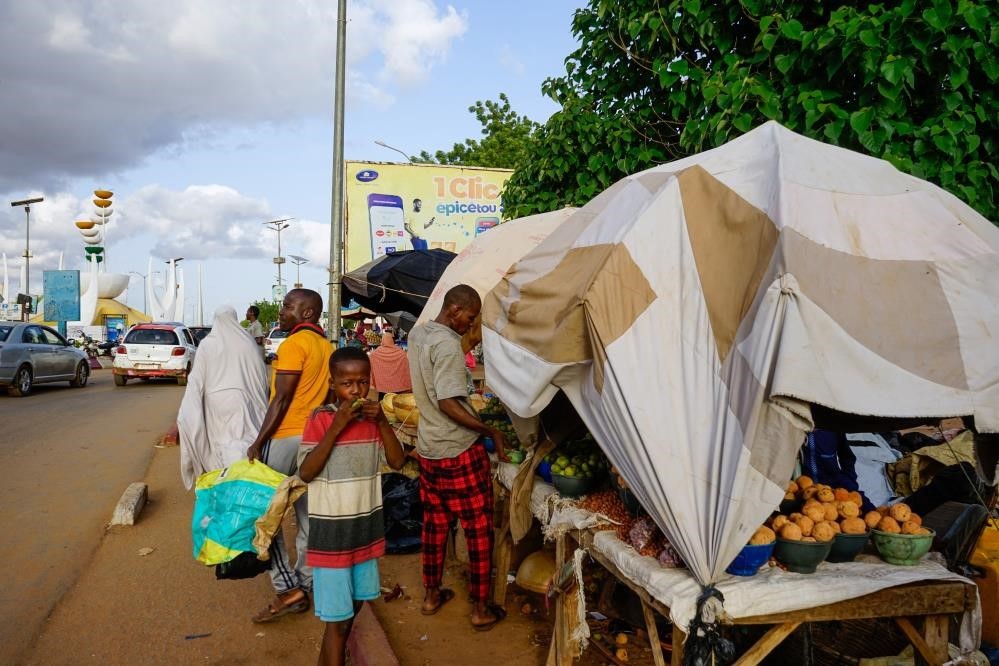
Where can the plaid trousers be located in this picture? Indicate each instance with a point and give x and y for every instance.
(460, 489)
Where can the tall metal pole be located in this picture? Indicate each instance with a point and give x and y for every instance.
(336, 216)
(280, 283)
(27, 250)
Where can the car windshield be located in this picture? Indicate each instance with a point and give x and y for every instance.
(278, 333)
(4, 332)
(151, 336)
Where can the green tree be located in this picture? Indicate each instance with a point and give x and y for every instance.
(505, 143)
(268, 312)
(911, 82)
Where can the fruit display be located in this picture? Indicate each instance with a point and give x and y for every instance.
(642, 533)
(581, 459)
(512, 442)
(492, 408)
(371, 338)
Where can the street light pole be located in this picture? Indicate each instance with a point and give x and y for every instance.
(143, 276)
(278, 226)
(27, 241)
(298, 261)
(336, 206)
(381, 143)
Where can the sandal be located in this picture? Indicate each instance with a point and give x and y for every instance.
(496, 610)
(278, 607)
(444, 596)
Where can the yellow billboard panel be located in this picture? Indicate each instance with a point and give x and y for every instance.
(393, 207)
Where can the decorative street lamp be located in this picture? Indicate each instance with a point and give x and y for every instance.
(381, 143)
(27, 241)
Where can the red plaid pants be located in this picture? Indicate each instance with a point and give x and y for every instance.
(461, 489)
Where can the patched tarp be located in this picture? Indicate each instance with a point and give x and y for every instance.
(695, 312)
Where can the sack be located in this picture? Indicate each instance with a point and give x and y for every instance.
(244, 565)
(403, 513)
(227, 504)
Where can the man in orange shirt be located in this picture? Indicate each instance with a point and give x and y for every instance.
(300, 383)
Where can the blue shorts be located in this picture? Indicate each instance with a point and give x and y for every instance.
(336, 590)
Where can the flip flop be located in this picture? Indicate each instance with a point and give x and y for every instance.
(443, 597)
(276, 609)
(496, 610)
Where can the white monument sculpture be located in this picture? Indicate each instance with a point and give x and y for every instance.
(171, 306)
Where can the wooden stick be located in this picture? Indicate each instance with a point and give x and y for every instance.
(915, 638)
(650, 626)
(765, 645)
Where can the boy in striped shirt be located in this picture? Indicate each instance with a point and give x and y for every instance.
(340, 459)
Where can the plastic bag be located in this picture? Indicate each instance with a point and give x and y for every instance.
(644, 532)
(403, 513)
(244, 565)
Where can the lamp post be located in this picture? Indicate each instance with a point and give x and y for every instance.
(381, 143)
(298, 261)
(279, 226)
(143, 276)
(336, 203)
(27, 241)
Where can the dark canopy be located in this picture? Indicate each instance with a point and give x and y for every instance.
(397, 282)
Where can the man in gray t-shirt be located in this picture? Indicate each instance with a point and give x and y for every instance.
(254, 328)
(455, 471)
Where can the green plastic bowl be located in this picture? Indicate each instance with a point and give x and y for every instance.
(801, 556)
(846, 547)
(903, 549)
(570, 486)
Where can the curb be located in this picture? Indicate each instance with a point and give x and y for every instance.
(368, 644)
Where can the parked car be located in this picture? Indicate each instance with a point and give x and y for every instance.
(272, 342)
(155, 350)
(33, 354)
(200, 333)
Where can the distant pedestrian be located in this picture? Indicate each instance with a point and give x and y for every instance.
(340, 459)
(225, 399)
(390, 367)
(300, 383)
(255, 328)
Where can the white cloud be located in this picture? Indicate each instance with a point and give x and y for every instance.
(95, 87)
(509, 60)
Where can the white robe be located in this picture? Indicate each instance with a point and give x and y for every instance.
(225, 401)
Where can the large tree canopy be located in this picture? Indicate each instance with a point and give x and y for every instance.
(911, 82)
(505, 142)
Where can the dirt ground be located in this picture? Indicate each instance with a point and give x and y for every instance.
(164, 607)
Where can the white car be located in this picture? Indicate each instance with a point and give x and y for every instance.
(272, 342)
(155, 350)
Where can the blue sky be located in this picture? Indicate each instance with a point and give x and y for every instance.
(207, 119)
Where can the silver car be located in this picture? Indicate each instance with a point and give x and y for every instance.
(34, 354)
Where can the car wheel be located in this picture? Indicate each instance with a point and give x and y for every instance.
(120, 380)
(82, 375)
(22, 383)
(182, 379)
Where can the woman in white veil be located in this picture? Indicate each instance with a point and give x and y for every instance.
(225, 400)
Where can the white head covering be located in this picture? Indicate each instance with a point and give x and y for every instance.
(225, 400)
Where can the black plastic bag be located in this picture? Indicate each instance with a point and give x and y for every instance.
(403, 514)
(244, 565)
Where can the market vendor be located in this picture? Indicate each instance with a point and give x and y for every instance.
(455, 471)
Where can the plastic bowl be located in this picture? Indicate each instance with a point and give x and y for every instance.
(569, 486)
(544, 470)
(846, 547)
(903, 549)
(750, 559)
(801, 556)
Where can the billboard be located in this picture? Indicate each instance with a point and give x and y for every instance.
(392, 207)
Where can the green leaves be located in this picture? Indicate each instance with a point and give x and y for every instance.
(913, 82)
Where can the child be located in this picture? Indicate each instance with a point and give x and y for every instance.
(340, 459)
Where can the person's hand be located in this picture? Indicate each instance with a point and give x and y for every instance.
(499, 439)
(372, 411)
(345, 413)
(254, 452)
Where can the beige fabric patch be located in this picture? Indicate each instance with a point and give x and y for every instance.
(897, 309)
(732, 242)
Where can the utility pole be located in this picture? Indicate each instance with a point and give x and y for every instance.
(27, 244)
(336, 216)
(279, 226)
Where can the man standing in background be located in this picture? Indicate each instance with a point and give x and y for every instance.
(254, 328)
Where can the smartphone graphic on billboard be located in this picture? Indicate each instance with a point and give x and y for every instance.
(388, 232)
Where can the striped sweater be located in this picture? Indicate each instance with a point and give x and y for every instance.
(346, 526)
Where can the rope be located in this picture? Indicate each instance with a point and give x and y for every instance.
(705, 645)
(971, 484)
(385, 289)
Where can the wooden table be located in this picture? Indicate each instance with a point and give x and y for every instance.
(932, 602)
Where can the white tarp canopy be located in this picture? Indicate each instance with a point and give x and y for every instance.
(695, 312)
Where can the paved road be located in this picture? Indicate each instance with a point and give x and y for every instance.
(66, 455)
